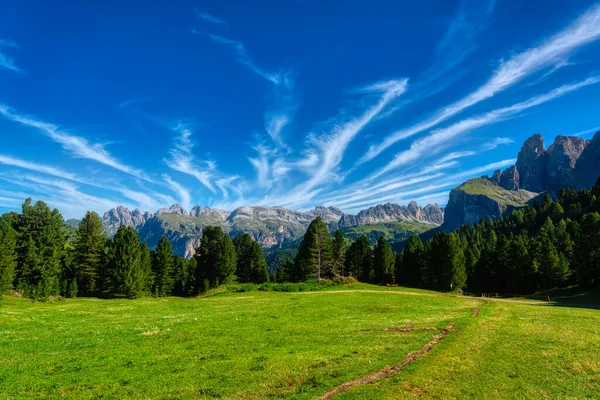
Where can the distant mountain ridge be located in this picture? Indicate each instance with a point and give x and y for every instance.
(272, 227)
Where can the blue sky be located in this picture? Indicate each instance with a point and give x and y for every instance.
(288, 103)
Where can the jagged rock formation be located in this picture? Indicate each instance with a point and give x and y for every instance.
(561, 158)
(509, 179)
(569, 162)
(116, 217)
(531, 164)
(389, 212)
(269, 226)
(587, 168)
(174, 209)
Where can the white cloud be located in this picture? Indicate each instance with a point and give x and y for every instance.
(181, 158)
(7, 62)
(15, 162)
(185, 198)
(330, 148)
(552, 52)
(436, 141)
(76, 145)
(209, 18)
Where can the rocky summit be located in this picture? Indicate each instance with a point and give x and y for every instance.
(269, 226)
(568, 162)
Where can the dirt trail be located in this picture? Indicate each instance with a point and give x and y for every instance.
(534, 303)
(387, 371)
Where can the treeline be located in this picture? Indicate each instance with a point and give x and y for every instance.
(37, 260)
(550, 244)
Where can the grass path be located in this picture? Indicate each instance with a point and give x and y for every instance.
(510, 351)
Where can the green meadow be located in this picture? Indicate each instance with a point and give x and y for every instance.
(302, 345)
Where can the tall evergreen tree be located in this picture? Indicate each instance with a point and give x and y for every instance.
(383, 261)
(413, 260)
(446, 263)
(89, 253)
(398, 267)
(8, 254)
(184, 276)
(314, 258)
(40, 250)
(163, 272)
(339, 253)
(125, 275)
(587, 253)
(358, 258)
(285, 271)
(215, 258)
(251, 264)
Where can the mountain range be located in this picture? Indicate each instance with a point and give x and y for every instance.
(570, 161)
(272, 227)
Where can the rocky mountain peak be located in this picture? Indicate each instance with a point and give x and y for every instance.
(561, 157)
(587, 167)
(174, 209)
(531, 164)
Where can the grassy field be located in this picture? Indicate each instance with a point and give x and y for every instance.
(257, 345)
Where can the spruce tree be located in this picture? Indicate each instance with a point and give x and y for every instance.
(251, 264)
(215, 258)
(314, 258)
(383, 261)
(398, 267)
(125, 275)
(40, 250)
(8, 254)
(587, 253)
(413, 263)
(339, 253)
(358, 259)
(285, 271)
(89, 253)
(162, 268)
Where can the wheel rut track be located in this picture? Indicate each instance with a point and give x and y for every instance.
(390, 370)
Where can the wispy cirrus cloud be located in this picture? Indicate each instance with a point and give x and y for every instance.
(7, 62)
(436, 141)
(206, 17)
(553, 51)
(284, 105)
(330, 147)
(76, 145)
(244, 58)
(16, 162)
(182, 159)
(185, 197)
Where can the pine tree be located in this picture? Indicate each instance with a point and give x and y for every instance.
(215, 258)
(587, 253)
(383, 261)
(285, 271)
(183, 275)
(314, 258)
(446, 263)
(89, 253)
(339, 253)
(8, 254)
(413, 266)
(125, 275)
(358, 259)
(162, 268)
(40, 250)
(398, 267)
(251, 264)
